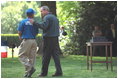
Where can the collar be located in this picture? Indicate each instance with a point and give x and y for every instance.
(29, 18)
(49, 13)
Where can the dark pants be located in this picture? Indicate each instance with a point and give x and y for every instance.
(114, 48)
(99, 51)
(51, 48)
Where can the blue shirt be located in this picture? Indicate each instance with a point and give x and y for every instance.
(28, 30)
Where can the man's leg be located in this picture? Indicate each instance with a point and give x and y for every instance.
(56, 58)
(46, 57)
(114, 47)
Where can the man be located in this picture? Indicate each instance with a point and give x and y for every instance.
(111, 35)
(27, 52)
(50, 26)
(62, 30)
(97, 33)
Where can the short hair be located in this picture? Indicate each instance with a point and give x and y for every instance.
(30, 14)
(45, 8)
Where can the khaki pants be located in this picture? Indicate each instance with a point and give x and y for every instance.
(27, 53)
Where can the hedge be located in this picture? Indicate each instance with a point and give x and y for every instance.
(12, 39)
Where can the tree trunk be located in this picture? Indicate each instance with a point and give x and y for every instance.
(51, 5)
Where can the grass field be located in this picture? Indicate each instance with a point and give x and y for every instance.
(73, 66)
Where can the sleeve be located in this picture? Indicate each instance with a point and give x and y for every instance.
(43, 25)
(20, 26)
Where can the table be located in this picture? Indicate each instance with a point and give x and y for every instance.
(89, 45)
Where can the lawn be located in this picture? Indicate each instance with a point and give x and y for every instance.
(74, 66)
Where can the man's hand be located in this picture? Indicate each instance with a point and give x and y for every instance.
(31, 21)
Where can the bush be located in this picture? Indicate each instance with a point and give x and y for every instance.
(80, 18)
(12, 39)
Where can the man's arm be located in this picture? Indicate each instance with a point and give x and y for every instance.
(44, 25)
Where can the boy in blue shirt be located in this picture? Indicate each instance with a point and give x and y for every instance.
(27, 52)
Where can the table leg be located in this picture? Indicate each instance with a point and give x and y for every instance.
(91, 56)
(87, 58)
(106, 57)
(111, 56)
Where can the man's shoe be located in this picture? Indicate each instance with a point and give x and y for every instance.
(25, 75)
(57, 74)
(31, 72)
(41, 75)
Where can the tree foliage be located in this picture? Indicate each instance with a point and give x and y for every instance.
(13, 12)
(80, 17)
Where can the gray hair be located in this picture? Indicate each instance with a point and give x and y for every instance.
(45, 8)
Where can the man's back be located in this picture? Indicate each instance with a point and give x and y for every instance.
(27, 29)
(53, 26)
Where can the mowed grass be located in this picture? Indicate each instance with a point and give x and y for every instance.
(73, 66)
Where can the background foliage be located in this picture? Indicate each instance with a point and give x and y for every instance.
(14, 39)
(13, 12)
(79, 18)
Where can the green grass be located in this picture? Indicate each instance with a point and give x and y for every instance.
(73, 66)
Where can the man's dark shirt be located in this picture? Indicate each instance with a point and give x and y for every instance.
(50, 25)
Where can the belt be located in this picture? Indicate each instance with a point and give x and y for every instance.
(29, 39)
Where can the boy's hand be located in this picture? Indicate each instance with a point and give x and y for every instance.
(20, 38)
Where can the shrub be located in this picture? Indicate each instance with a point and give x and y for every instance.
(11, 39)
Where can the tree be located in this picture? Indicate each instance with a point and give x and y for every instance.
(79, 19)
(13, 12)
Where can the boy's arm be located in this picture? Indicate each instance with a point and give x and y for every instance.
(20, 30)
(20, 34)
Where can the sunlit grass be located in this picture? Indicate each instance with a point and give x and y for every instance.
(73, 66)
